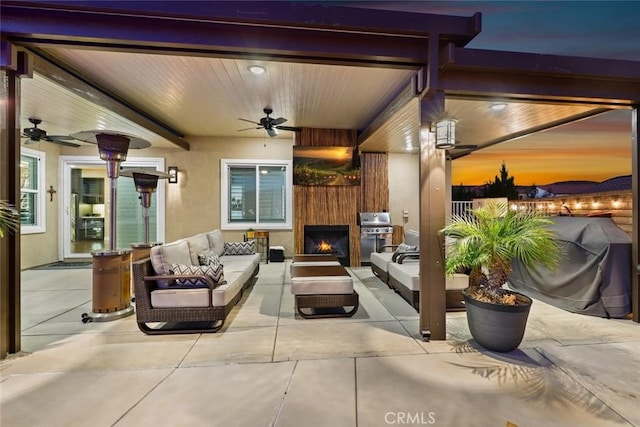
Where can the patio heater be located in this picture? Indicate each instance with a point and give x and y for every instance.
(111, 268)
(146, 182)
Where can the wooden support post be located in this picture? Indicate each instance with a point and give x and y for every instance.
(432, 220)
(10, 328)
(635, 235)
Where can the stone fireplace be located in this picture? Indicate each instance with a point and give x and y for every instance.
(328, 239)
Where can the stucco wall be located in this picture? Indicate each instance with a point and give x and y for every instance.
(404, 189)
(42, 248)
(193, 205)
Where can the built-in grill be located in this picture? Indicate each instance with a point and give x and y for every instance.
(376, 231)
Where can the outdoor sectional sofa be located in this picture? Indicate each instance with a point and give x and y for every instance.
(401, 272)
(191, 308)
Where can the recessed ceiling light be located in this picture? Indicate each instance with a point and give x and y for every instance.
(498, 106)
(257, 69)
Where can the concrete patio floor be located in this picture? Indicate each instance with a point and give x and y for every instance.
(269, 367)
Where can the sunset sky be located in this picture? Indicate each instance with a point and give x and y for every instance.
(594, 149)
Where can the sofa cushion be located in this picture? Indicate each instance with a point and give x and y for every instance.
(216, 241)
(197, 245)
(412, 238)
(169, 298)
(240, 248)
(408, 274)
(381, 260)
(215, 273)
(209, 258)
(163, 256)
(323, 285)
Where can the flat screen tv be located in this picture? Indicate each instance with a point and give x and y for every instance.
(325, 166)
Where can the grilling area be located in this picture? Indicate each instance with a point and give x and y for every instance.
(376, 232)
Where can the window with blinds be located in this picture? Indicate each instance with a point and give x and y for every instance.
(32, 212)
(256, 194)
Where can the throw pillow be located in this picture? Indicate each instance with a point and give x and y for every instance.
(209, 258)
(216, 274)
(240, 248)
(402, 248)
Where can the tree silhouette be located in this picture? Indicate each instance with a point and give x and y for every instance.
(461, 193)
(503, 186)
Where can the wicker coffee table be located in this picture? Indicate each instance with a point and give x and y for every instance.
(323, 291)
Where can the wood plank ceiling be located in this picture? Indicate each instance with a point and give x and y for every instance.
(207, 96)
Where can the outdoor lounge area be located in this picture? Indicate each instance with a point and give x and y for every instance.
(269, 367)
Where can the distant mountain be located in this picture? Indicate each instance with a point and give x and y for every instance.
(618, 183)
(614, 184)
(569, 187)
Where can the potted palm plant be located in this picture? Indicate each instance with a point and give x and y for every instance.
(9, 219)
(484, 244)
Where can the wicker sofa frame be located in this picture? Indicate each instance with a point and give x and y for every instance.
(326, 301)
(144, 280)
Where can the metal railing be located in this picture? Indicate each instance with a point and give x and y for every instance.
(460, 208)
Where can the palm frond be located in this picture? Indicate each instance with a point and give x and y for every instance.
(494, 235)
(9, 218)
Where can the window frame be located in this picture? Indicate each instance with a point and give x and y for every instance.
(226, 164)
(40, 208)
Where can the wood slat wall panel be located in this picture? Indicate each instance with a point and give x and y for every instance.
(327, 205)
(398, 235)
(375, 182)
(328, 137)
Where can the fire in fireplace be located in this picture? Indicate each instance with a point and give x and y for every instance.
(328, 239)
(324, 248)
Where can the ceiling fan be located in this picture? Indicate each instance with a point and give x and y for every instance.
(35, 134)
(269, 124)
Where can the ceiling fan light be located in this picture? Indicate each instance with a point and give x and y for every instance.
(272, 132)
(257, 69)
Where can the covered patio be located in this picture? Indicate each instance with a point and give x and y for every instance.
(448, 78)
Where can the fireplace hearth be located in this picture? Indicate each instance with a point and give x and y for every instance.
(328, 240)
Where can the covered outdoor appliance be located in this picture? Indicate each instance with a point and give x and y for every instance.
(376, 231)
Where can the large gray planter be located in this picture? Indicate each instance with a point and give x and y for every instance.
(497, 327)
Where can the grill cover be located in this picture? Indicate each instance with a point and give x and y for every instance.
(593, 278)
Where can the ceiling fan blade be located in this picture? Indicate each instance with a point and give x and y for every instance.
(464, 147)
(271, 132)
(250, 121)
(259, 127)
(61, 142)
(278, 121)
(291, 128)
(58, 137)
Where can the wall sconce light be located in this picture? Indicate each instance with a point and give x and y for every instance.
(173, 174)
(446, 134)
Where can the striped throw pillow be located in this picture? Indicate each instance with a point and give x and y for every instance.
(240, 248)
(216, 274)
(209, 258)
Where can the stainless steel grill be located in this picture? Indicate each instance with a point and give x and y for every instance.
(375, 232)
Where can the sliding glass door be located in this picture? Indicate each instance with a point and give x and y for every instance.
(85, 209)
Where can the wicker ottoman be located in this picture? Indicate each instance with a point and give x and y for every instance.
(324, 290)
